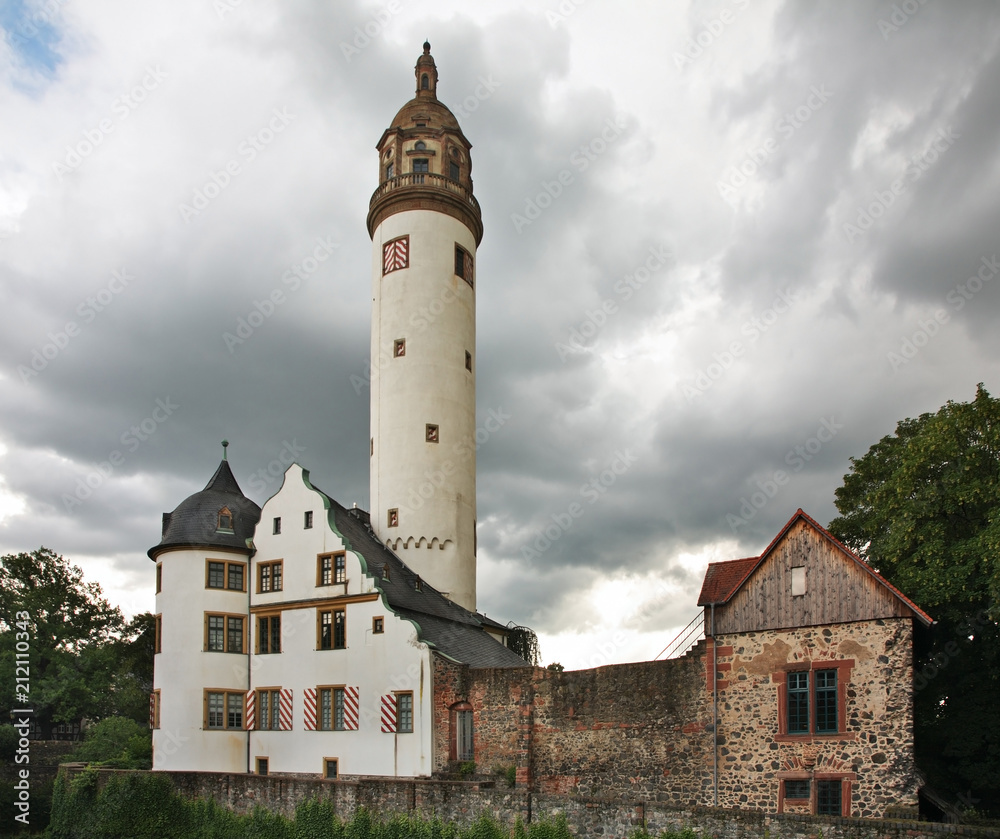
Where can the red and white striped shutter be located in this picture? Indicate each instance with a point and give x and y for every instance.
(285, 709)
(395, 255)
(152, 710)
(351, 708)
(389, 713)
(251, 710)
(309, 706)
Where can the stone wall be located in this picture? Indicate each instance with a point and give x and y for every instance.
(463, 802)
(644, 731)
(872, 752)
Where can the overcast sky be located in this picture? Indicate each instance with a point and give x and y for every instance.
(728, 246)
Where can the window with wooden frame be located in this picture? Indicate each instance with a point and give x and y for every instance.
(223, 710)
(829, 797)
(330, 702)
(331, 628)
(158, 634)
(225, 521)
(159, 577)
(224, 633)
(224, 574)
(262, 765)
(268, 711)
(404, 712)
(396, 255)
(154, 709)
(330, 768)
(331, 569)
(268, 634)
(812, 699)
(464, 265)
(378, 625)
(269, 576)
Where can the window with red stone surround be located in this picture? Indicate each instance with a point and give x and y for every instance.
(846, 787)
(779, 677)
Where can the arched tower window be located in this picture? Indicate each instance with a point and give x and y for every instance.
(425, 83)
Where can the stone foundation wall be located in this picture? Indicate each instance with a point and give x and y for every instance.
(588, 818)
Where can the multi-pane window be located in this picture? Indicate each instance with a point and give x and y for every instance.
(224, 633)
(464, 749)
(378, 625)
(269, 710)
(269, 634)
(390, 172)
(269, 576)
(332, 568)
(798, 702)
(228, 575)
(330, 768)
(404, 712)
(828, 802)
(331, 709)
(333, 629)
(812, 708)
(798, 789)
(223, 709)
(453, 170)
(308, 520)
(463, 264)
(421, 164)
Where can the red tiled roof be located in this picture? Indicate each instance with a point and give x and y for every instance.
(724, 579)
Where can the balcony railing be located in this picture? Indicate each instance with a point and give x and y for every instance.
(425, 179)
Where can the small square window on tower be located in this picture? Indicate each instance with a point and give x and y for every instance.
(468, 361)
(392, 518)
(396, 255)
(463, 264)
(399, 348)
(431, 433)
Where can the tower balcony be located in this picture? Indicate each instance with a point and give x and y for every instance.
(425, 191)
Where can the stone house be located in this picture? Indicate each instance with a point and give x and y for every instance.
(811, 712)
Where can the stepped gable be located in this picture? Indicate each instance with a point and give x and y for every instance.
(195, 522)
(444, 625)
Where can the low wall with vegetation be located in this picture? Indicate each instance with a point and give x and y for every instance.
(106, 803)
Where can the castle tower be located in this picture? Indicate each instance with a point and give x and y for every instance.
(425, 226)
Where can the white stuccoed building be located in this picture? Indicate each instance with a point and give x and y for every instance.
(300, 637)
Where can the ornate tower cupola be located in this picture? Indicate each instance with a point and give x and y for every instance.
(425, 225)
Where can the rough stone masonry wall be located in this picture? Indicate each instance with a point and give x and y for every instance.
(874, 747)
(625, 730)
(588, 819)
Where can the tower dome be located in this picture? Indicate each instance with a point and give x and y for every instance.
(220, 516)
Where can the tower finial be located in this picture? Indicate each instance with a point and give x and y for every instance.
(427, 47)
(225, 445)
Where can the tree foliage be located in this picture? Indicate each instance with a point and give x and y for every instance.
(923, 508)
(84, 659)
(524, 642)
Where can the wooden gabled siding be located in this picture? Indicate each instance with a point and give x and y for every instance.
(838, 589)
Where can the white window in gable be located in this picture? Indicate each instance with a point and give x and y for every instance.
(798, 581)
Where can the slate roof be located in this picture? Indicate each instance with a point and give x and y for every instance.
(724, 579)
(443, 625)
(195, 522)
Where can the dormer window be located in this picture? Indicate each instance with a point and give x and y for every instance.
(225, 520)
(385, 572)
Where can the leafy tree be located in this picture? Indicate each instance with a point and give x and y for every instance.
(116, 742)
(84, 659)
(923, 508)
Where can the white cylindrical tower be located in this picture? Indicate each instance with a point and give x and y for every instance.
(425, 226)
(201, 667)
